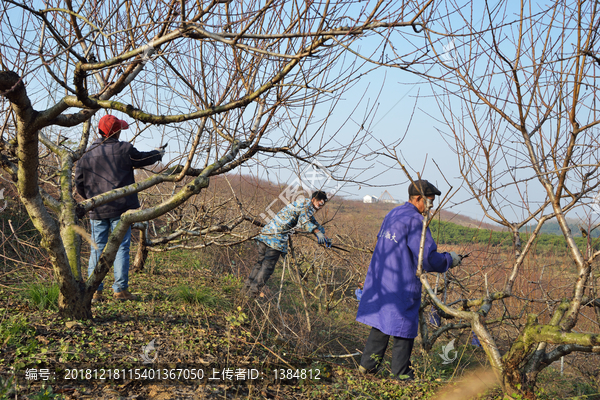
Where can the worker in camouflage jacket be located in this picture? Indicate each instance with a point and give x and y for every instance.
(273, 238)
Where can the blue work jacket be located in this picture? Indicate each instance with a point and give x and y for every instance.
(392, 293)
(296, 215)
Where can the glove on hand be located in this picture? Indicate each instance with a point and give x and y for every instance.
(321, 238)
(456, 259)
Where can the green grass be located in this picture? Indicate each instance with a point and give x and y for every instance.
(14, 330)
(194, 311)
(202, 296)
(43, 296)
(345, 384)
(553, 385)
(45, 393)
(17, 337)
(7, 387)
(230, 283)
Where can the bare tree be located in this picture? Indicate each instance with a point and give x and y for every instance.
(216, 218)
(224, 81)
(516, 87)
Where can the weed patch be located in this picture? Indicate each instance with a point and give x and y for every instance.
(43, 296)
(202, 296)
(15, 330)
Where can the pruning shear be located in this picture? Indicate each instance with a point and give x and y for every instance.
(465, 256)
(164, 146)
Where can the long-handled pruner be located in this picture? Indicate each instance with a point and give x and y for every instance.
(334, 246)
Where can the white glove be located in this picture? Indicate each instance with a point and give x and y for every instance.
(322, 239)
(456, 259)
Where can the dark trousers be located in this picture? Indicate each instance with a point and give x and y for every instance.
(375, 350)
(263, 269)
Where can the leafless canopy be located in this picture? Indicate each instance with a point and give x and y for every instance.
(516, 87)
(221, 81)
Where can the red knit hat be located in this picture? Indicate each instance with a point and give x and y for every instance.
(109, 125)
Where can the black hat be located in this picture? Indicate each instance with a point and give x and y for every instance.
(428, 189)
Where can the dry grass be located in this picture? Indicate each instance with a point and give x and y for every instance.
(472, 384)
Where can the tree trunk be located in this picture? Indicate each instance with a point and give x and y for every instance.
(518, 385)
(76, 304)
(518, 379)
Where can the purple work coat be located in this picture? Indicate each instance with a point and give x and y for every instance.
(392, 293)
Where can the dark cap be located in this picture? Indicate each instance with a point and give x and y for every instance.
(428, 189)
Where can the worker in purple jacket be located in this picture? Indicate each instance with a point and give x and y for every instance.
(392, 292)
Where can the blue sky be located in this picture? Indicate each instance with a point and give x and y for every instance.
(392, 104)
(399, 104)
(395, 94)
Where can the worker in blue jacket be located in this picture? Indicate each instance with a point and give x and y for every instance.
(273, 238)
(392, 292)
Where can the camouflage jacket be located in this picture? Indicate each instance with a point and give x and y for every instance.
(296, 215)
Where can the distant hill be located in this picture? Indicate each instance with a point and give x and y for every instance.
(447, 229)
(264, 192)
(449, 233)
(552, 228)
(468, 222)
(352, 217)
